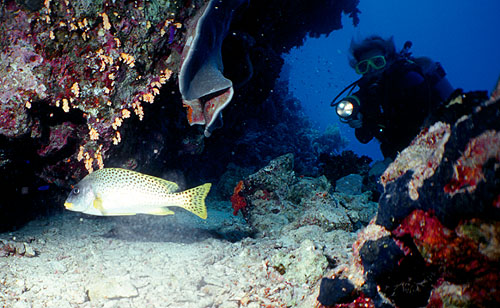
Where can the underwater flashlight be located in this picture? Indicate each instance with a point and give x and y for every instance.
(344, 109)
(347, 107)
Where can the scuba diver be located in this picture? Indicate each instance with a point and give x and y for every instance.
(396, 94)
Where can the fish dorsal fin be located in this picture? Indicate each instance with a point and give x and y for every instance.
(171, 187)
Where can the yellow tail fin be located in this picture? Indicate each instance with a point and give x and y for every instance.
(193, 199)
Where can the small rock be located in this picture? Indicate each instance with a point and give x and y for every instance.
(29, 251)
(350, 184)
(245, 300)
(112, 288)
(229, 304)
(20, 250)
(379, 167)
(253, 305)
(78, 296)
(20, 284)
(21, 304)
(303, 265)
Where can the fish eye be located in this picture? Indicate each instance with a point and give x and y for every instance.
(75, 191)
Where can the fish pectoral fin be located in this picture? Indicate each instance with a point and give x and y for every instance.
(160, 211)
(98, 205)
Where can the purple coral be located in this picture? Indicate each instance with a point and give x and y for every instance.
(20, 85)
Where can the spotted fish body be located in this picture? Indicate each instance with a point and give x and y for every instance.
(115, 191)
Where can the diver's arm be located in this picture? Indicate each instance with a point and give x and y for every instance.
(356, 121)
(362, 118)
(363, 134)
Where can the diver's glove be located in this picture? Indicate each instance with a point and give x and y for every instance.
(356, 121)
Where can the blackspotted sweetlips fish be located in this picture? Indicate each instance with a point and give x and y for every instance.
(116, 191)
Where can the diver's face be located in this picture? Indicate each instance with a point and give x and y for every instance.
(371, 62)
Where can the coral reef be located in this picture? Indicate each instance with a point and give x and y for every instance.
(284, 128)
(229, 179)
(335, 166)
(20, 85)
(78, 77)
(435, 238)
(90, 60)
(467, 170)
(275, 201)
(330, 142)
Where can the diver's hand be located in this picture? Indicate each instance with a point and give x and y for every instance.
(357, 121)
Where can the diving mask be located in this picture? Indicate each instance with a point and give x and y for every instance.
(376, 63)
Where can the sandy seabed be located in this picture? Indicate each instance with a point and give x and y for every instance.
(157, 261)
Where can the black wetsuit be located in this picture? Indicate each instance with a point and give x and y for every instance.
(395, 105)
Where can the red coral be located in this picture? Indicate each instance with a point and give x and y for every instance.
(441, 246)
(468, 168)
(458, 253)
(496, 202)
(237, 200)
(482, 293)
(362, 301)
(266, 195)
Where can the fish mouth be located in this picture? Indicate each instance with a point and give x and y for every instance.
(68, 205)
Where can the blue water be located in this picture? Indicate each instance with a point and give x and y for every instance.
(462, 35)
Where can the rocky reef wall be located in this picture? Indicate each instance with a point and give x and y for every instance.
(434, 241)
